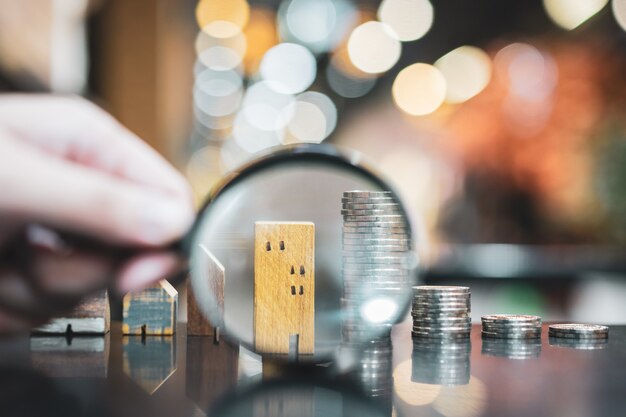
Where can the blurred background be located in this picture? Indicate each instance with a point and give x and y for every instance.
(500, 123)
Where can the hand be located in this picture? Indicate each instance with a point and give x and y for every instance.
(66, 165)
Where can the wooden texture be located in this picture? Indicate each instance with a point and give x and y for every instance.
(61, 357)
(150, 362)
(151, 311)
(284, 286)
(92, 316)
(197, 323)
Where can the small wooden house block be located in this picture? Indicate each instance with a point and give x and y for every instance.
(284, 288)
(197, 322)
(92, 316)
(151, 311)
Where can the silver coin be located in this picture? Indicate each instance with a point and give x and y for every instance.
(391, 224)
(463, 320)
(375, 240)
(517, 330)
(579, 329)
(441, 296)
(367, 249)
(441, 289)
(441, 329)
(419, 316)
(375, 272)
(375, 227)
(440, 335)
(427, 306)
(379, 262)
(524, 335)
(366, 193)
(375, 218)
(349, 205)
(510, 318)
(382, 211)
(447, 303)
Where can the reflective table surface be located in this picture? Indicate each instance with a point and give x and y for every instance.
(119, 375)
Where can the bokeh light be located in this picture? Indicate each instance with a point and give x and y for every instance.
(314, 117)
(233, 155)
(222, 18)
(221, 53)
(467, 71)
(218, 93)
(267, 109)
(462, 401)
(345, 85)
(569, 14)
(619, 11)
(412, 393)
(529, 73)
(374, 47)
(318, 24)
(290, 68)
(410, 19)
(419, 89)
(261, 35)
(252, 139)
(204, 169)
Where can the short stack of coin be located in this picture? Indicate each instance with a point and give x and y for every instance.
(376, 245)
(578, 331)
(441, 312)
(511, 326)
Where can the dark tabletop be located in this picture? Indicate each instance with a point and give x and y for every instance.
(180, 376)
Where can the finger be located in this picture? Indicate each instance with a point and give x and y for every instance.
(144, 270)
(74, 197)
(76, 129)
(72, 275)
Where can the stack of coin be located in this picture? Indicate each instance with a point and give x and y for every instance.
(578, 331)
(443, 362)
(376, 246)
(441, 312)
(512, 348)
(511, 326)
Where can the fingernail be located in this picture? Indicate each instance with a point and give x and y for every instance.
(145, 271)
(164, 219)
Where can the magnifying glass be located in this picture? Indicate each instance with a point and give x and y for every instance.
(300, 252)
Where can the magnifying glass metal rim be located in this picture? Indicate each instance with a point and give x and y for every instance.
(307, 152)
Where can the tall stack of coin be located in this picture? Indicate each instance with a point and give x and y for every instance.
(441, 312)
(376, 246)
(443, 362)
(511, 326)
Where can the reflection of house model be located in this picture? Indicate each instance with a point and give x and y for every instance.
(284, 287)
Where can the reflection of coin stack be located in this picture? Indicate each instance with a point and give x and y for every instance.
(445, 362)
(441, 312)
(376, 243)
(512, 348)
(374, 373)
